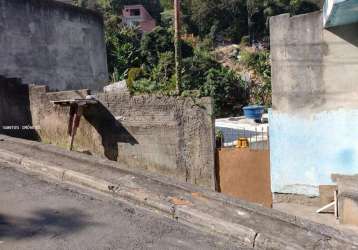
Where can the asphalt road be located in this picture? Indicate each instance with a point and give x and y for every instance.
(38, 215)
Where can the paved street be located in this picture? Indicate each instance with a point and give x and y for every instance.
(37, 215)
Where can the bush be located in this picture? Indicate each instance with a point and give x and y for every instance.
(260, 88)
(148, 86)
(153, 43)
(133, 75)
(165, 68)
(227, 91)
(123, 51)
(159, 80)
(202, 76)
(259, 62)
(160, 40)
(195, 69)
(245, 41)
(203, 73)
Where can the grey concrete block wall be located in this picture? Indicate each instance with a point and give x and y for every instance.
(171, 136)
(312, 67)
(313, 122)
(52, 43)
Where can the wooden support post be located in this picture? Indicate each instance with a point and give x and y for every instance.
(73, 110)
(75, 117)
(177, 43)
(336, 214)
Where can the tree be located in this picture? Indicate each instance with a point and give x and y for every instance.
(259, 87)
(123, 51)
(229, 17)
(153, 43)
(160, 79)
(267, 8)
(226, 89)
(233, 19)
(158, 41)
(167, 4)
(165, 69)
(209, 78)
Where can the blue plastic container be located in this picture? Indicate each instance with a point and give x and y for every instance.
(254, 112)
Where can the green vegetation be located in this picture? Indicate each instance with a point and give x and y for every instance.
(258, 62)
(123, 51)
(233, 19)
(146, 61)
(202, 73)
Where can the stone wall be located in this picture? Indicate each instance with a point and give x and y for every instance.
(313, 123)
(52, 43)
(166, 135)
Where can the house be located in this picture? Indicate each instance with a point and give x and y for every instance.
(137, 15)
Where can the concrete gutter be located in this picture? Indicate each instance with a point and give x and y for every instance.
(255, 226)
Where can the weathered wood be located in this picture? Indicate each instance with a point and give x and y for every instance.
(75, 124)
(177, 43)
(79, 102)
(77, 107)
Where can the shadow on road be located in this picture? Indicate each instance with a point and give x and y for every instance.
(44, 222)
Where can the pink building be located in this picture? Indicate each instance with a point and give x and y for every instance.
(137, 15)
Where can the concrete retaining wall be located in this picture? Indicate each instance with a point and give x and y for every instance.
(52, 43)
(313, 123)
(166, 135)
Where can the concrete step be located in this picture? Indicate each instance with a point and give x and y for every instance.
(256, 226)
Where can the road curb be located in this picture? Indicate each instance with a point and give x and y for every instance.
(187, 215)
(196, 215)
(70, 176)
(40, 168)
(302, 223)
(10, 157)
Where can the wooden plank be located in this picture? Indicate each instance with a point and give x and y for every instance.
(75, 101)
(245, 174)
(326, 207)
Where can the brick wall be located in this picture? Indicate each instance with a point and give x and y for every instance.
(165, 135)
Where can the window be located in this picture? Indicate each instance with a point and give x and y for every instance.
(135, 12)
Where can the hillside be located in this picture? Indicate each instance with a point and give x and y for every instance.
(146, 60)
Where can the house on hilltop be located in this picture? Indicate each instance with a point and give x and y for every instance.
(137, 15)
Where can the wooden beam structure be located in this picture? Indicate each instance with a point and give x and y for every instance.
(77, 107)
